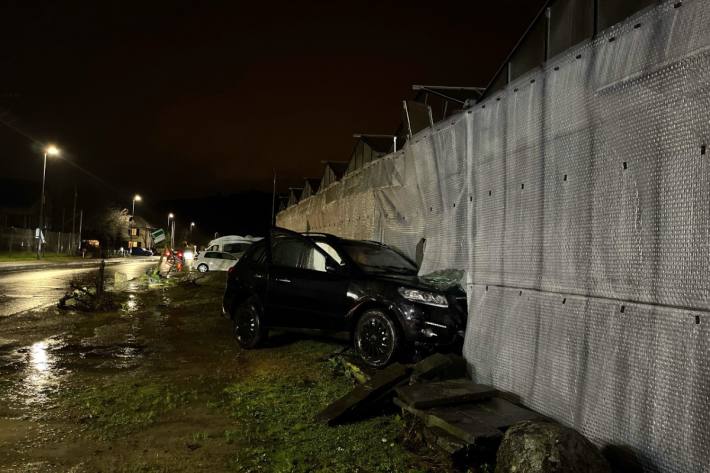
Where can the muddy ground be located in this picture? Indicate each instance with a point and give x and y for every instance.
(160, 386)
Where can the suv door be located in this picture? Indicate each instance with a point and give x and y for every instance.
(301, 292)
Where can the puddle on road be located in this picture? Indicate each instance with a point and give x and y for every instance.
(37, 374)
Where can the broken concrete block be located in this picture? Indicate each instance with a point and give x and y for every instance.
(475, 432)
(480, 425)
(444, 393)
(120, 281)
(548, 447)
(365, 397)
(440, 439)
(439, 366)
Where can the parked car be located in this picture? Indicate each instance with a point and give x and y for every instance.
(233, 244)
(214, 261)
(138, 251)
(320, 281)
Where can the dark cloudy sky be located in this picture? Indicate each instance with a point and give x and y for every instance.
(179, 99)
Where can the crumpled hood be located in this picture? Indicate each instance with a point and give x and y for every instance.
(418, 282)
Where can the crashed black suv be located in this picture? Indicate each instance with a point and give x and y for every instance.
(319, 281)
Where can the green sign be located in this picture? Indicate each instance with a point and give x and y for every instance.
(158, 235)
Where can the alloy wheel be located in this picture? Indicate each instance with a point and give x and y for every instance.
(247, 325)
(376, 339)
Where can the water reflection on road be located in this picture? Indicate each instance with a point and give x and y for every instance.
(40, 378)
(27, 290)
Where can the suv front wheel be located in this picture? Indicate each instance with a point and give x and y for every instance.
(376, 338)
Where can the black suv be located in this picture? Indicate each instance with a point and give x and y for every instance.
(320, 281)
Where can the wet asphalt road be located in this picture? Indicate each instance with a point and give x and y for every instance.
(28, 290)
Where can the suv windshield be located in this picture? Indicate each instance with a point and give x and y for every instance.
(374, 257)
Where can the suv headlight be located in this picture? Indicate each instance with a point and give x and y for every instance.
(424, 297)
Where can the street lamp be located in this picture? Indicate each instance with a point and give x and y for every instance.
(50, 150)
(172, 229)
(136, 198)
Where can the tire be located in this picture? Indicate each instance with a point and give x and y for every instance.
(203, 268)
(376, 338)
(247, 328)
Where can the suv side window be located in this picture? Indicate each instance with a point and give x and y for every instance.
(288, 252)
(257, 255)
(313, 260)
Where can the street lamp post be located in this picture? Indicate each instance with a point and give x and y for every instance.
(135, 198)
(133, 218)
(172, 229)
(51, 150)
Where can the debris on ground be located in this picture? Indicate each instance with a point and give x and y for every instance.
(120, 281)
(466, 420)
(548, 447)
(439, 366)
(88, 298)
(365, 398)
(443, 393)
(351, 367)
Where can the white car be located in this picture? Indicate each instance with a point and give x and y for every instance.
(214, 261)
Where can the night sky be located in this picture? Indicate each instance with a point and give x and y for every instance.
(187, 99)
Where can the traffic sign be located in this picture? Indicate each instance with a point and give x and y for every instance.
(158, 235)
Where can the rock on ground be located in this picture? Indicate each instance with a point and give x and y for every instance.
(547, 447)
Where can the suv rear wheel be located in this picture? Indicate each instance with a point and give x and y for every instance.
(376, 338)
(247, 324)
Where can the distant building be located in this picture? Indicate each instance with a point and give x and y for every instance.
(139, 235)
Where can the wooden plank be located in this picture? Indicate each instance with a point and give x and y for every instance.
(362, 398)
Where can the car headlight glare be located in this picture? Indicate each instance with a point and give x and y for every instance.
(423, 297)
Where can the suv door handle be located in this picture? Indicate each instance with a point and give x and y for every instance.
(288, 281)
(258, 275)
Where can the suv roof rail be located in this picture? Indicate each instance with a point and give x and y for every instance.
(317, 234)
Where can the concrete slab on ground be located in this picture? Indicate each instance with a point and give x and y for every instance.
(444, 393)
(479, 423)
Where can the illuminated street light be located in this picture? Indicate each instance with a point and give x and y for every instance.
(50, 150)
(172, 229)
(136, 198)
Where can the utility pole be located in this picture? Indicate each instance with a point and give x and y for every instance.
(273, 202)
(40, 230)
(52, 151)
(59, 240)
(73, 220)
(81, 219)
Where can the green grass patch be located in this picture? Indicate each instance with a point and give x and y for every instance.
(274, 409)
(124, 406)
(20, 256)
